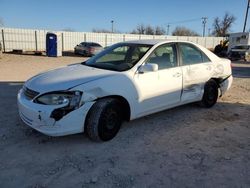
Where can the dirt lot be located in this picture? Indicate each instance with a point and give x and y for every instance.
(186, 146)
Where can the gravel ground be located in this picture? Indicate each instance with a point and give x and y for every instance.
(188, 146)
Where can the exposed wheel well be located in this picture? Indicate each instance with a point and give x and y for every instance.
(217, 80)
(125, 107)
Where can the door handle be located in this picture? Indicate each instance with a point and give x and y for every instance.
(177, 75)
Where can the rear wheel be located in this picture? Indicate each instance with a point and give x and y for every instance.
(104, 120)
(210, 95)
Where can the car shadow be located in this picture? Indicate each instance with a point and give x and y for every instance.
(71, 54)
(27, 53)
(42, 53)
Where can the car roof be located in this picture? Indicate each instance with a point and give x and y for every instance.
(211, 55)
(90, 42)
(155, 41)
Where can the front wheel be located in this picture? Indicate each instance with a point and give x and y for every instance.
(104, 120)
(210, 95)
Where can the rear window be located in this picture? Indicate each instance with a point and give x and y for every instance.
(95, 45)
(190, 54)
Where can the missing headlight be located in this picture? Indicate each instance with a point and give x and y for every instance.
(71, 100)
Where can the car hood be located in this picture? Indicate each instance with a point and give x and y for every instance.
(65, 78)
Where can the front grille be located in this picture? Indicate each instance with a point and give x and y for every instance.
(30, 94)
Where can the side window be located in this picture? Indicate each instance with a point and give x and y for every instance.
(138, 53)
(190, 54)
(205, 58)
(164, 56)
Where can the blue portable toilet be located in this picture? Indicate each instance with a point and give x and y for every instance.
(53, 47)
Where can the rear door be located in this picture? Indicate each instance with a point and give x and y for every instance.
(196, 68)
(161, 89)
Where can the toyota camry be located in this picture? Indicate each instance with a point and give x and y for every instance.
(126, 81)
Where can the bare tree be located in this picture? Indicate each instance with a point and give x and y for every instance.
(183, 31)
(222, 27)
(133, 32)
(141, 29)
(95, 30)
(148, 30)
(160, 30)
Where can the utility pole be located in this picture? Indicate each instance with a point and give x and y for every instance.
(209, 32)
(168, 26)
(204, 22)
(244, 28)
(112, 26)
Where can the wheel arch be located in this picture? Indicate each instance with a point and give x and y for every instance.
(125, 107)
(126, 110)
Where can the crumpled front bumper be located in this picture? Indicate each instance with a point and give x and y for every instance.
(37, 116)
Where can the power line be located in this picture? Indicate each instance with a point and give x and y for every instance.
(204, 22)
(184, 21)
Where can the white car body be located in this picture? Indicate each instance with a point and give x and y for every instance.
(145, 93)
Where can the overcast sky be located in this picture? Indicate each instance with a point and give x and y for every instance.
(84, 15)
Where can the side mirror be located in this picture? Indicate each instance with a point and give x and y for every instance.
(148, 67)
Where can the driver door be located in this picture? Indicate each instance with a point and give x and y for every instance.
(160, 89)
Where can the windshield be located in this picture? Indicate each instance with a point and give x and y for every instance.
(119, 57)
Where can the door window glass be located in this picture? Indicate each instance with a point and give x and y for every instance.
(164, 56)
(190, 54)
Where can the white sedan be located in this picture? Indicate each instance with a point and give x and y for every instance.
(126, 81)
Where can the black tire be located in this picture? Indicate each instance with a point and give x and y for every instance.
(210, 95)
(104, 120)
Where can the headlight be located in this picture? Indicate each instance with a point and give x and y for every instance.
(72, 99)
